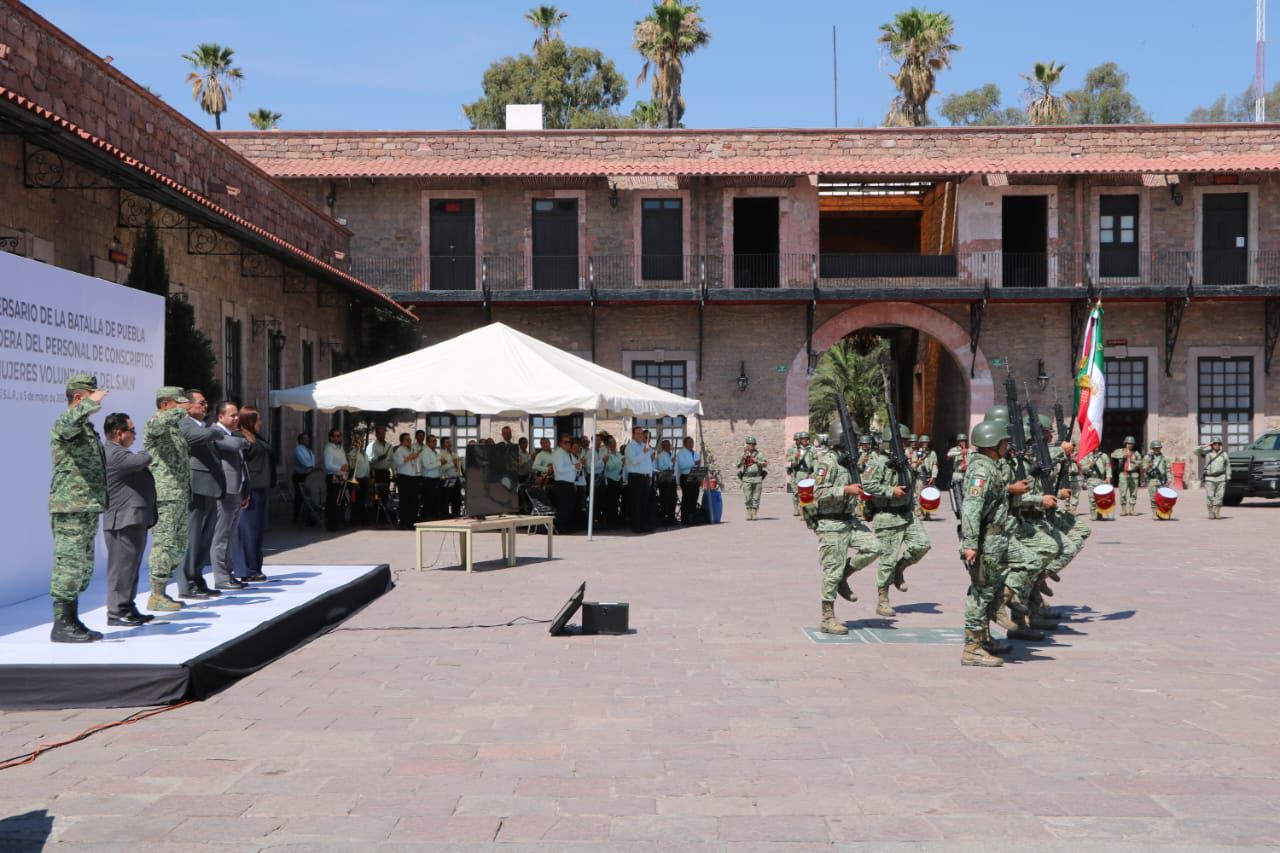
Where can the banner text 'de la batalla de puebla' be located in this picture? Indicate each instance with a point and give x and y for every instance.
(55, 323)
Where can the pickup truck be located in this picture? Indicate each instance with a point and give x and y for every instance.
(1255, 470)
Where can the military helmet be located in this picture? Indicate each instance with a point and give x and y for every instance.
(913, 437)
(887, 435)
(824, 439)
(989, 434)
(1215, 439)
(865, 439)
(1128, 439)
(924, 439)
(835, 432)
(997, 413)
(961, 437)
(800, 435)
(1156, 445)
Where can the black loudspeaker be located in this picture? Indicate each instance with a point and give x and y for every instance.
(605, 617)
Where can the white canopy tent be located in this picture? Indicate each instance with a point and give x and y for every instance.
(494, 370)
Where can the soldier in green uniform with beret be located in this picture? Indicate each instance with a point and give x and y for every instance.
(77, 497)
(171, 468)
(799, 462)
(832, 515)
(1213, 476)
(895, 524)
(1155, 467)
(752, 469)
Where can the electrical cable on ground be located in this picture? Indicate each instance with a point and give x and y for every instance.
(519, 620)
(136, 716)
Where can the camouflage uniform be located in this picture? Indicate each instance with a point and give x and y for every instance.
(77, 496)
(896, 527)
(832, 515)
(799, 461)
(985, 486)
(1041, 536)
(1156, 468)
(171, 468)
(1074, 528)
(752, 477)
(1217, 467)
(1096, 470)
(1128, 463)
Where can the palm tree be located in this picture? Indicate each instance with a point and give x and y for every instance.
(854, 367)
(265, 119)
(546, 20)
(212, 78)
(672, 31)
(647, 114)
(1046, 107)
(921, 42)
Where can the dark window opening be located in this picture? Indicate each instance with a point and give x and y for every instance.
(1118, 236)
(1024, 233)
(661, 239)
(1126, 407)
(233, 361)
(453, 244)
(756, 262)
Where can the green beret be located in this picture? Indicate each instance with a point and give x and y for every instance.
(82, 382)
(172, 392)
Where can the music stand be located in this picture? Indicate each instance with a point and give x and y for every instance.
(566, 613)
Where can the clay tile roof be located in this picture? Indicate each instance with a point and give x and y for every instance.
(133, 163)
(512, 167)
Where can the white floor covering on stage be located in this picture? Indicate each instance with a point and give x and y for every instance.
(172, 638)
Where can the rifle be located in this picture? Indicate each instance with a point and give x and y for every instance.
(1064, 426)
(1019, 438)
(1040, 446)
(850, 449)
(897, 454)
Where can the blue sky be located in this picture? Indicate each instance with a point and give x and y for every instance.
(398, 64)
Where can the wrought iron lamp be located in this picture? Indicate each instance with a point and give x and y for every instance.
(1042, 378)
(742, 376)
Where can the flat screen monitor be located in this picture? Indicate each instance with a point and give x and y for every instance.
(493, 483)
(566, 613)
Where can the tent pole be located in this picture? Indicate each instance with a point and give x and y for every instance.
(591, 486)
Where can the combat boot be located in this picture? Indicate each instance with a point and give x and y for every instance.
(992, 645)
(75, 617)
(1042, 621)
(830, 624)
(160, 601)
(1002, 618)
(1011, 600)
(899, 575)
(846, 591)
(974, 654)
(67, 627)
(1021, 631)
(883, 607)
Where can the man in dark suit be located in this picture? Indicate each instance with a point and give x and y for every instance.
(207, 486)
(131, 510)
(235, 477)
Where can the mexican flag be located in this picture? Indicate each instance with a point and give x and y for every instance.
(1091, 385)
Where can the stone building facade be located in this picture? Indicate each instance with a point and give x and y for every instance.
(731, 253)
(87, 157)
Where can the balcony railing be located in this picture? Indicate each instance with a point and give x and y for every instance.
(415, 274)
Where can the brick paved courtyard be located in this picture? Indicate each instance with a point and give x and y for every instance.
(1149, 720)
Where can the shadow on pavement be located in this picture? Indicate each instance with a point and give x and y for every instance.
(29, 831)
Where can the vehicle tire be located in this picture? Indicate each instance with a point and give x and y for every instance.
(1230, 499)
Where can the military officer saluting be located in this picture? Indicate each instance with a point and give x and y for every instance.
(1213, 476)
(171, 467)
(1128, 466)
(77, 497)
(799, 461)
(1155, 465)
(832, 516)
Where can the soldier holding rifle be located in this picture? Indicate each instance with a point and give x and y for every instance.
(837, 492)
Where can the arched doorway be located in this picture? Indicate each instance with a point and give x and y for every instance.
(953, 338)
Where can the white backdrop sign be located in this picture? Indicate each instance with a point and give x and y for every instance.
(54, 323)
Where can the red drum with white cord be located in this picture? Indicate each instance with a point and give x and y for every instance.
(1104, 499)
(1165, 500)
(930, 499)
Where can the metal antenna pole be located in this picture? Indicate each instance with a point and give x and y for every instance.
(1260, 63)
(835, 81)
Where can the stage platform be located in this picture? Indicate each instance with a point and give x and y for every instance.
(187, 654)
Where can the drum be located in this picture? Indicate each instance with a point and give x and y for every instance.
(1104, 499)
(930, 499)
(1165, 499)
(804, 491)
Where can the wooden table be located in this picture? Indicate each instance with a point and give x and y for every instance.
(507, 525)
